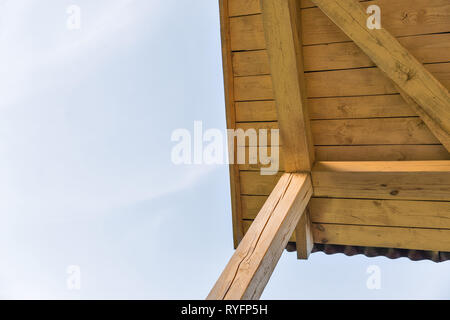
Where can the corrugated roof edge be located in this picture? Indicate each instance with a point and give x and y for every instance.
(371, 252)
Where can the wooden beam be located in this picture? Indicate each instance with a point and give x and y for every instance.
(252, 264)
(304, 237)
(281, 21)
(395, 61)
(400, 180)
(235, 191)
(440, 134)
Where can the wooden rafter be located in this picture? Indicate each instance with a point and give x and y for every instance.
(432, 98)
(281, 19)
(400, 180)
(252, 264)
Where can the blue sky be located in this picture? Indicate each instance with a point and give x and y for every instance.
(86, 177)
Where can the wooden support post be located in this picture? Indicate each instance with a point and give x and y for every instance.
(304, 237)
(395, 61)
(281, 20)
(252, 264)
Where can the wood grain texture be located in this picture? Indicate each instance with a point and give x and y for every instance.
(382, 153)
(400, 17)
(393, 59)
(255, 163)
(282, 31)
(358, 153)
(405, 180)
(439, 132)
(340, 83)
(256, 111)
(389, 213)
(365, 107)
(253, 88)
(382, 131)
(255, 184)
(433, 48)
(251, 266)
(359, 107)
(247, 33)
(383, 237)
(249, 127)
(372, 131)
(393, 213)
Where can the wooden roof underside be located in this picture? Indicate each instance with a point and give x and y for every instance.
(367, 121)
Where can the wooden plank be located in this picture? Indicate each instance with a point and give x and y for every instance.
(401, 180)
(359, 107)
(304, 237)
(244, 7)
(253, 88)
(251, 63)
(365, 107)
(252, 183)
(347, 132)
(282, 31)
(393, 59)
(256, 111)
(435, 128)
(257, 126)
(357, 82)
(235, 191)
(362, 140)
(251, 266)
(400, 17)
(382, 153)
(372, 131)
(340, 83)
(434, 48)
(362, 132)
(253, 153)
(247, 7)
(393, 213)
(384, 237)
(426, 48)
(251, 205)
(247, 33)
